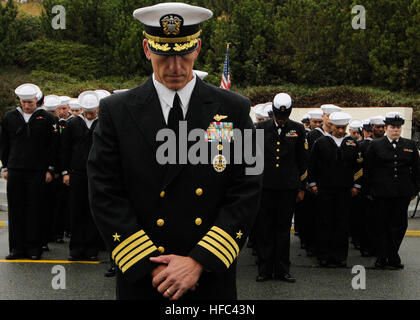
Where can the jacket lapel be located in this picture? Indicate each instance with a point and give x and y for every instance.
(201, 112)
(144, 107)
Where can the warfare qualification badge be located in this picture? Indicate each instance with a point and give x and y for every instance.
(219, 163)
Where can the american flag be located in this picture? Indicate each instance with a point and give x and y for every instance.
(225, 84)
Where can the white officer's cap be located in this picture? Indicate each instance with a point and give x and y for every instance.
(377, 121)
(330, 108)
(201, 74)
(394, 118)
(316, 114)
(28, 91)
(268, 108)
(172, 27)
(89, 100)
(259, 111)
(340, 118)
(52, 102)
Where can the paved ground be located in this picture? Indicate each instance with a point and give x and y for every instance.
(86, 281)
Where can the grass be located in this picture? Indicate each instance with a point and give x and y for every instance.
(33, 8)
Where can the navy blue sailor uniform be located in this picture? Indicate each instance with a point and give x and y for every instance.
(392, 174)
(285, 173)
(75, 145)
(334, 170)
(28, 152)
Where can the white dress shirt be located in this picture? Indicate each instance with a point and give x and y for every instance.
(167, 96)
(390, 141)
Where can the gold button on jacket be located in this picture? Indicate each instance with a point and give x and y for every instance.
(160, 222)
(161, 249)
(199, 192)
(198, 221)
(162, 194)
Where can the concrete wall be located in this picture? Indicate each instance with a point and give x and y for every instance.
(361, 114)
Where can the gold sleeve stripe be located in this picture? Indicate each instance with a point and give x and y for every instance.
(227, 237)
(303, 176)
(222, 240)
(135, 252)
(219, 247)
(130, 247)
(138, 258)
(215, 252)
(358, 174)
(126, 242)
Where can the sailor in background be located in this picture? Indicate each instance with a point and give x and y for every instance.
(315, 118)
(27, 148)
(366, 129)
(357, 218)
(305, 122)
(75, 146)
(393, 179)
(334, 174)
(378, 126)
(75, 108)
(284, 182)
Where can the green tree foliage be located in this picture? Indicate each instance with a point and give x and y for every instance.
(8, 32)
(273, 42)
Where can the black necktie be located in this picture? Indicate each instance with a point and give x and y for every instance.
(175, 114)
(394, 142)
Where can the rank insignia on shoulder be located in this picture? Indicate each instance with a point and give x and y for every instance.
(408, 150)
(219, 117)
(219, 163)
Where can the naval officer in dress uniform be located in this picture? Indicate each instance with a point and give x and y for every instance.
(334, 175)
(173, 230)
(27, 147)
(393, 179)
(284, 183)
(75, 145)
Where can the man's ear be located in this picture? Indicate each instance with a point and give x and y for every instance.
(197, 51)
(146, 49)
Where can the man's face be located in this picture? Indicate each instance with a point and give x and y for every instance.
(62, 112)
(355, 134)
(338, 131)
(90, 115)
(76, 112)
(173, 71)
(378, 131)
(326, 121)
(393, 132)
(279, 121)
(367, 134)
(28, 106)
(315, 123)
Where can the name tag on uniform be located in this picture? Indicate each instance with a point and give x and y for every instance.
(408, 150)
(219, 132)
(292, 134)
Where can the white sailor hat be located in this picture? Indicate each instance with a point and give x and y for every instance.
(355, 124)
(103, 93)
(330, 108)
(377, 121)
(74, 104)
(172, 27)
(51, 102)
(27, 91)
(340, 118)
(316, 114)
(394, 118)
(89, 100)
(259, 111)
(119, 90)
(366, 125)
(64, 100)
(201, 74)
